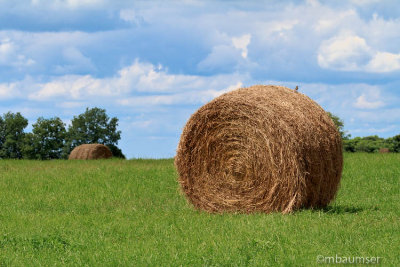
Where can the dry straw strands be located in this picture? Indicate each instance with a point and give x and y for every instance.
(384, 150)
(90, 151)
(259, 149)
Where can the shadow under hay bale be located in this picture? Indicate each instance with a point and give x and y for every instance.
(260, 149)
(90, 151)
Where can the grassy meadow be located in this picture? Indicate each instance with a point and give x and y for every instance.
(131, 213)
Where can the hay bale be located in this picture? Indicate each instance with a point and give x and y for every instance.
(259, 149)
(384, 150)
(90, 151)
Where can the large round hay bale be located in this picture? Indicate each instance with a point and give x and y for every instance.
(259, 149)
(90, 151)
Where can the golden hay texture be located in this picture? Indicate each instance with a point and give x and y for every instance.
(259, 149)
(90, 151)
(384, 150)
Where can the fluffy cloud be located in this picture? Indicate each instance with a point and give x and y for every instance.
(131, 16)
(257, 39)
(183, 98)
(6, 49)
(241, 43)
(7, 91)
(384, 62)
(10, 56)
(227, 56)
(159, 87)
(363, 103)
(348, 52)
(75, 61)
(73, 87)
(334, 20)
(47, 53)
(73, 4)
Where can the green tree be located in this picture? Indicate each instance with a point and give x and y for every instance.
(349, 145)
(46, 140)
(393, 143)
(93, 126)
(340, 126)
(2, 133)
(12, 135)
(396, 143)
(116, 151)
(370, 144)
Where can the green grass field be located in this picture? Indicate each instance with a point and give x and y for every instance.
(109, 213)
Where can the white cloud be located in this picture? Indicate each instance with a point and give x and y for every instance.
(228, 55)
(281, 29)
(345, 52)
(222, 58)
(145, 77)
(216, 93)
(75, 61)
(333, 19)
(8, 91)
(184, 98)
(130, 15)
(281, 41)
(384, 62)
(348, 52)
(10, 56)
(6, 48)
(363, 103)
(72, 4)
(364, 2)
(72, 86)
(127, 15)
(241, 43)
(77, 3)
(313, 3)
(159, 87)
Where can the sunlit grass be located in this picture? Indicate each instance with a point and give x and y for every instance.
(132, 213)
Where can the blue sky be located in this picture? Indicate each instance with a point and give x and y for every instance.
(153, 63)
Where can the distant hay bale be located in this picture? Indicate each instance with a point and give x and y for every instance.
(90, 151)
(260, 149)
(384, 150)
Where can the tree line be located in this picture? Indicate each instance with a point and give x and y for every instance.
(368, 144)
(51, 139)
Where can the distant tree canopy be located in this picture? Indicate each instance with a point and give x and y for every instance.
(50, 139)
(94, 126)
(395, 141)
(46, 140)
(12, 135)
(2, 134)
(340, 126)
(372, 144)
(367, 144)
